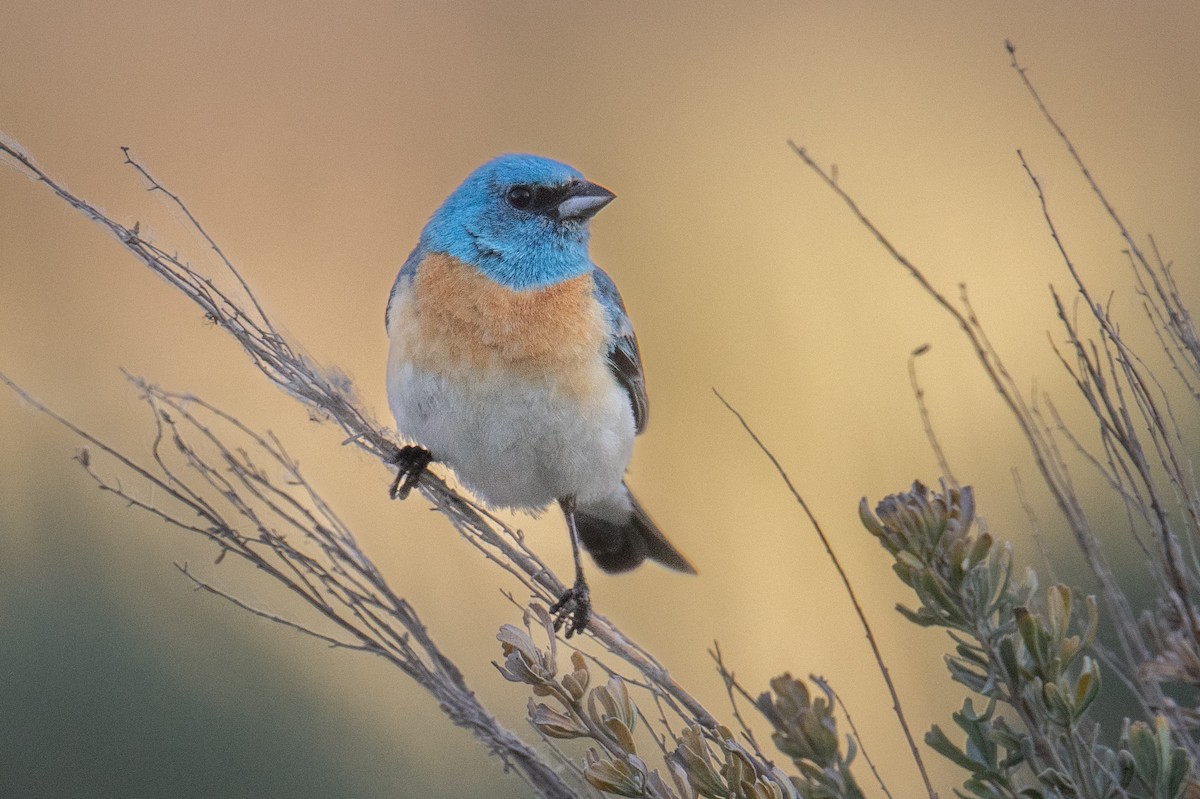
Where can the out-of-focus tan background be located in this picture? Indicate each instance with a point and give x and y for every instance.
(314, 140)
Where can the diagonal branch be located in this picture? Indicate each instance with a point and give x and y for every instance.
(862, 616)
(285, 531)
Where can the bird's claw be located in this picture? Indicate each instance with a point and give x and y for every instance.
(410, 464)
(573, 608)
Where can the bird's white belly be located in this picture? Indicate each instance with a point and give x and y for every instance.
(517, 441)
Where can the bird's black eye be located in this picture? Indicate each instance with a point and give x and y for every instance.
(520, 197)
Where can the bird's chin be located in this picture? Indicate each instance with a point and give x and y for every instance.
(568, 232)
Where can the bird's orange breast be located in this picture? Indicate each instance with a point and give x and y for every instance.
(459, 320)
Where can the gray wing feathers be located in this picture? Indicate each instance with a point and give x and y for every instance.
(624, 358)
(404, 277)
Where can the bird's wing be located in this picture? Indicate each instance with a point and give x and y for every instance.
(403, 278)
(624, 359)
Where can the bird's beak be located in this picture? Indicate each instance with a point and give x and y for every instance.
(582, 201)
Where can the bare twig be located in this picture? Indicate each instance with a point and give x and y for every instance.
(732, 686)
(862, 617)
(926, 422)
(1042, 446)
(862, 747)
(256, 519)
(1113, 410)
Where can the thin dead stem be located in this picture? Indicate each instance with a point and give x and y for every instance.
(824, 685)
(282, 528)
(926, 422)
(862, 617)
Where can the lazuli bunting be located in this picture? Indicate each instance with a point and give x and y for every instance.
(512, 361)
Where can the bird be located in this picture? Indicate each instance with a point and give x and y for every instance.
(512, 361)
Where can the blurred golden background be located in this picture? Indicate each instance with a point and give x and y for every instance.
(313, 141)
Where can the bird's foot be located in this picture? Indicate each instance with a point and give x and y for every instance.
(573, 608)
(410, 464)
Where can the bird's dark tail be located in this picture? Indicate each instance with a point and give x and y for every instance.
(620, 537)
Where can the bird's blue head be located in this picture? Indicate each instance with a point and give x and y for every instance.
(522, 220)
